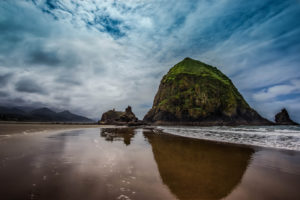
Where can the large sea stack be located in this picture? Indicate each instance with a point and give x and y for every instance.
(283, 118)
(194, 93)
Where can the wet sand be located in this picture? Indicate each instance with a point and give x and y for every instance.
(7, 129)
(110, 163)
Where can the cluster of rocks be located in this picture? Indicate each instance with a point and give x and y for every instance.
(128, 118)
(113, 117)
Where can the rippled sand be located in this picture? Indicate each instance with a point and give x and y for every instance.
(110, 163)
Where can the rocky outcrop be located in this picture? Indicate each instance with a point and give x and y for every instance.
(283, 118)
(194, 93)
(119, 118)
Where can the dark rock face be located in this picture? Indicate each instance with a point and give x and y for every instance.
(128, 116)
(283, 118)
(119, 117)
(194, 93)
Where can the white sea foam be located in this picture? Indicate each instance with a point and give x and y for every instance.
(281, 137)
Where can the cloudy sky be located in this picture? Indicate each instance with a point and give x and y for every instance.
(89, 56)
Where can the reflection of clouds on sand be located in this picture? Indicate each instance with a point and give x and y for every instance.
(95, 161)
(81, 165)
(271, 175)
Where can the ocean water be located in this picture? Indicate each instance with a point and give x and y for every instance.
(280, 137)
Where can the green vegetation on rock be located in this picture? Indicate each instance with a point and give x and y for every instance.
(193, 67)
(193, 91)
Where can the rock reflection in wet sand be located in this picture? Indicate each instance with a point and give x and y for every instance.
(198, 170)
(136, 164)
(113, 134)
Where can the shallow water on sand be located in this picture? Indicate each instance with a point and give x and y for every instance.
(140, 164)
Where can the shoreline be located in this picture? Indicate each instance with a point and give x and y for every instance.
(253, 146)
(10, 129)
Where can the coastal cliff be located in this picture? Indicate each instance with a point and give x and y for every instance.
(194, 93)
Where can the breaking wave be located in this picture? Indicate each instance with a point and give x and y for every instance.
(281, 137)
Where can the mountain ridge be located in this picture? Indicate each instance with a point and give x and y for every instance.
(43, 114)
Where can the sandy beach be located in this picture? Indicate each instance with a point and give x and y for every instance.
(27, 128)
(96, 162)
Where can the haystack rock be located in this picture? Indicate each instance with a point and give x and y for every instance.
(194, 93)
(283, 118)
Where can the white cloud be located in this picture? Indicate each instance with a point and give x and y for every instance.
(278, 90)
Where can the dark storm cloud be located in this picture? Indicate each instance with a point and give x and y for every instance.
(3, 94)
(29, 86)
(68, 80)
(40, 57)
(12, 102)
(20, 102)
(4, 78)
(28, 38)
(23, 30)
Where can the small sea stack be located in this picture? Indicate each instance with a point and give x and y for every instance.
(283, 118)
(113, 117)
